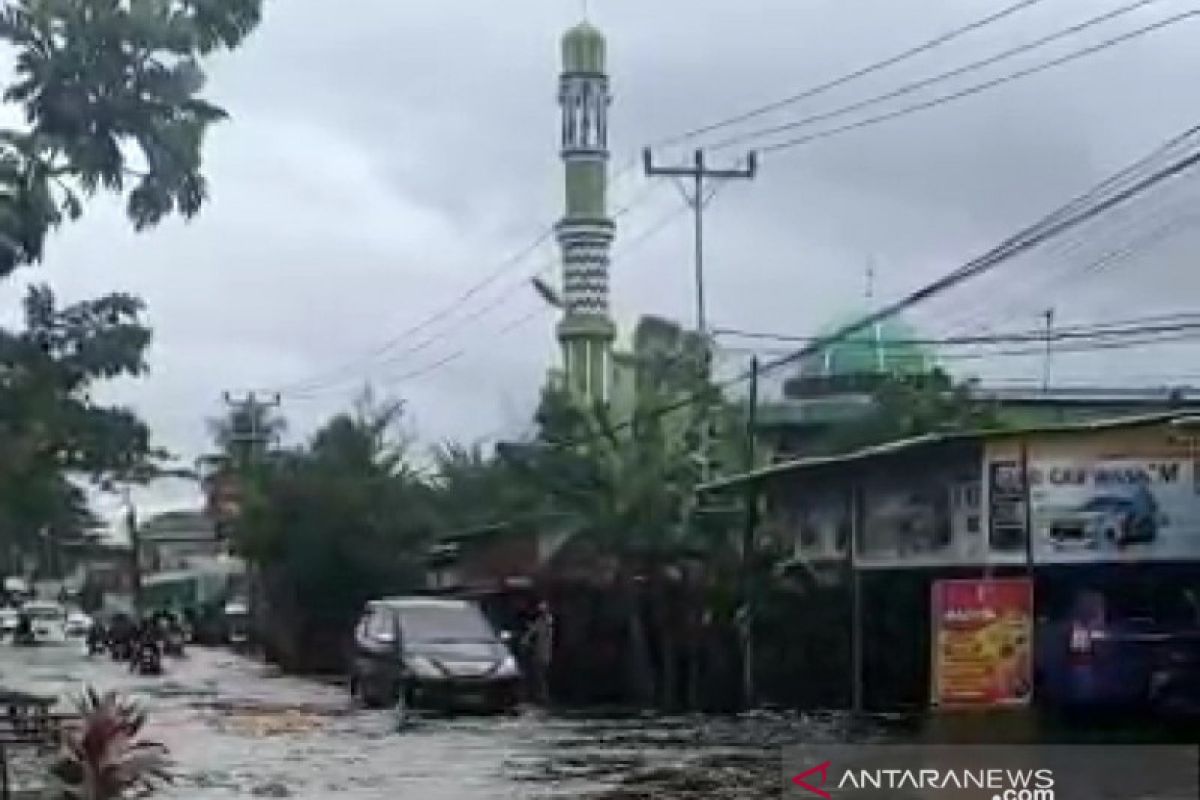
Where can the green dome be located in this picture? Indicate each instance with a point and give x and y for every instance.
(583, 49)
(891, 347)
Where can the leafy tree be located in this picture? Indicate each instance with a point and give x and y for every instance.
(625, 485)
(110, 91)
(912, 406)
(332, 524)
(51, 427)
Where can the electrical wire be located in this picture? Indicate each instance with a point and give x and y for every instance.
(1109, 194)
(916, 86)
(862, 72)
(345, 372)
(1134, 327)
(980, 87)
(632, 245)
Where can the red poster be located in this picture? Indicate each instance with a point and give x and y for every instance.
(982, 642)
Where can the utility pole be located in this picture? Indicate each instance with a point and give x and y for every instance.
(135, 545)
(253, 410)
(700, 174)
(1048, 315)
(697, 198)
(749, 525)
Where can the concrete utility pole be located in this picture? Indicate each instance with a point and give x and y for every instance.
(1048, 316)
(697, 198)
(699, 173)
(749, 527)
(253, 410)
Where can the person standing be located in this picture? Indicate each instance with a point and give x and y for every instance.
(539, 644)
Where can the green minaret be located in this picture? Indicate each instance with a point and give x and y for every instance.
(585, 233)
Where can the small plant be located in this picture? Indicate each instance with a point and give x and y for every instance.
(102, 757)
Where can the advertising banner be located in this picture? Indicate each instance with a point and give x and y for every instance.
(982, 642)
(1121, 509)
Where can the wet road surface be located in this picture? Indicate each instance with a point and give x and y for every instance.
(237, 729)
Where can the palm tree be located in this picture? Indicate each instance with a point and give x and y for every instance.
(102, 756)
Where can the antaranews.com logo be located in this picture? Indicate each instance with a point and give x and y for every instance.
(1003, 784)
(991, 772)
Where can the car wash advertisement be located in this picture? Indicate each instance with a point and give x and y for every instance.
(982, 642)
(1114, 509)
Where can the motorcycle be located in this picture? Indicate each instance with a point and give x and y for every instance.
(24, 635)
(146, 660)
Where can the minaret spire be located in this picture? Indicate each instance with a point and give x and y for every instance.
(585, 232)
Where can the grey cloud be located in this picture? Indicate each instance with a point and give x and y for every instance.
(383, 156)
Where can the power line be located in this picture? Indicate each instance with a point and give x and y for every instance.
(632, 245)
(915, 86)
(1106, 261)
(980, 87)
(1092, 203)
(1135, 327)
(877, 66)
(341, 374)
(1075, 347)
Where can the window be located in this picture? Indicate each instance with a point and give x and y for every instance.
(380, 626)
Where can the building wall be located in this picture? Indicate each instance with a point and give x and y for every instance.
(1127, 495)
(920, 511)
(1112, 496)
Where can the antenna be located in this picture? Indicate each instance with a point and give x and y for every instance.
(871, 278)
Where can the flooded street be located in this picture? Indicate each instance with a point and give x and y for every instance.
(238, 729)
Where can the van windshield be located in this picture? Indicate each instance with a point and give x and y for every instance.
(44, 612)
(444, 624)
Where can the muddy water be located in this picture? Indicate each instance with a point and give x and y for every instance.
(238, 729)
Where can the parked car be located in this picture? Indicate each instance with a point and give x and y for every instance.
(1116, 519)
(1108, 653)
(433, 653)
(49, 621)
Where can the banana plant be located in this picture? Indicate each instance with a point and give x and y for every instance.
(103, 756)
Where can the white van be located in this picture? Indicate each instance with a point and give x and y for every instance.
(49, 621)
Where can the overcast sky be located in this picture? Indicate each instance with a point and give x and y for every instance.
(383, 157)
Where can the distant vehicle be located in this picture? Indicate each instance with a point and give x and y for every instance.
(9, 618)
(49, 621)
(435, 653)
(237, 624)
(1119, 520)
(78, 625)
(1101, 655)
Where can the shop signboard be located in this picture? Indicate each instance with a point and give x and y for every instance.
(982, 642)
(1114, 509)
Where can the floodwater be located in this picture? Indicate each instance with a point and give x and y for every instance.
(236, 729)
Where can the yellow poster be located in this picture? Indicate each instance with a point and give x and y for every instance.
(982, 642)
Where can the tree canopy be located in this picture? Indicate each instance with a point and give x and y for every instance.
(110, 93)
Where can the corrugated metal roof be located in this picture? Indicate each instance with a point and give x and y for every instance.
(932, 439)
